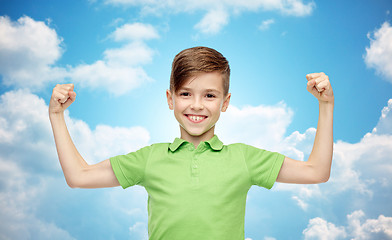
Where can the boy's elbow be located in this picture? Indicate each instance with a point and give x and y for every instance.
(71, 183)
(319, 175)
(326, 178)
(72, 186)
(74, 181)
(76, 178)
(322, 178)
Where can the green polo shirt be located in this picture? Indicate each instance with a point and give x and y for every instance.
(197, 193)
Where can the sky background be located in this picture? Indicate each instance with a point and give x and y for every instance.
(118, 53)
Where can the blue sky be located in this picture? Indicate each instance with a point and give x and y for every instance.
(119, 52)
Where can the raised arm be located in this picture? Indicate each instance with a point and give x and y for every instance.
(76, 171)
(318, 167)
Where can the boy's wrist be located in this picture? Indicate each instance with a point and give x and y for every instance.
(326, 107)
(327, 103)
(56, 115)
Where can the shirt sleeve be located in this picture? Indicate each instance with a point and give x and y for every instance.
(129, 169)
(263, 166)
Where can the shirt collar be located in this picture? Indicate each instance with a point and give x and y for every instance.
(214, 143)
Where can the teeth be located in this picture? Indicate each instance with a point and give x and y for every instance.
(196, 118)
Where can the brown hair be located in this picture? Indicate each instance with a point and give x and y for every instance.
(192, 61)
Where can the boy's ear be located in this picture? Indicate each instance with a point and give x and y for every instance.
(169, 99)
(226, 102)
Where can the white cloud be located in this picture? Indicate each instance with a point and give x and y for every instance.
(320, 229)
(135, 31)
(27, 128)
(132, 54)
(384, 125)
(300, 202)
(380, 228)
(296, 8)
(379, 54)
(265, 127)
(18, 202)
(19, 199)
(299, 145)
(28, 52)
(261, 126)
(117, 80)
(218, 12)
(121, 69)
(139, 231)
(357, 229)
(29, 167)
(106, 141)
(362, 167)
(265, 25)
(302, 194)
(289, 7)
(213, 21)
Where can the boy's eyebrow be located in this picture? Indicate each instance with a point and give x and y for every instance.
(206, 90)
(184, 88)
(212, 90)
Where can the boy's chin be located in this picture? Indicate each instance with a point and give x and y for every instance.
(195, 133)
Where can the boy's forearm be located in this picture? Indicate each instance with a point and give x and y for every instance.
(71, 161)
(321, 155)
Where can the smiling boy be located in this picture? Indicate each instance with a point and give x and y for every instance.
(196, 185)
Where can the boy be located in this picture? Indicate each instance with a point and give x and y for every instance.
(197, 186)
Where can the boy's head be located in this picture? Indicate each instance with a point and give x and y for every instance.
(192, 61)
(199, 86)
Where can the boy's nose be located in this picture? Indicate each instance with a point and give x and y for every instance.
(197, 105)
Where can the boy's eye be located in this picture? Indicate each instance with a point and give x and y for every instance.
(209, 95)
(185, 94)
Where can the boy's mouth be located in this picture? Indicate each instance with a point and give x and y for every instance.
(196, 118)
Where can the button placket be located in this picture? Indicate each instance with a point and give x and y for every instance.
(194, 164)
(195, 171)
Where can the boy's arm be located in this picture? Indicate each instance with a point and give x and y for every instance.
(76, 171)
(318, 167)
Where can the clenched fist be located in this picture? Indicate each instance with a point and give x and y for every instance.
(320, 87)
(62, 97)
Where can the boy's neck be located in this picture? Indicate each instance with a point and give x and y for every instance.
(196, 140)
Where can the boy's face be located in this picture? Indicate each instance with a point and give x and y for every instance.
(197, 105)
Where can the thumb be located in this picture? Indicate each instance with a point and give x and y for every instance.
(71, 99)
(72, 95)
(310, 85)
